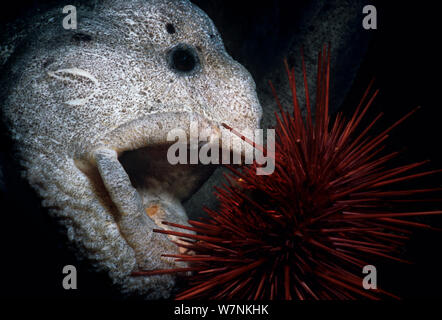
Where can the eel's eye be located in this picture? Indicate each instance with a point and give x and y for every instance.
(183, 59)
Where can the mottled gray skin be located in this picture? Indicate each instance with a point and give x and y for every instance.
(77, 107)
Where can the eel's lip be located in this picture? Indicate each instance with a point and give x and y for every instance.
(150, 130)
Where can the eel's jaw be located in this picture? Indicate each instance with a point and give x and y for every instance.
(141, 204)
(134, 224)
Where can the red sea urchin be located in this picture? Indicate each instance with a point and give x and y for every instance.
(307, 230)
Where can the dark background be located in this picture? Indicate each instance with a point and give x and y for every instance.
(402, 56)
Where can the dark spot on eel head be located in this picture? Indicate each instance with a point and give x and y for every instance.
(170, 28)
(81, 37)
(48, 61)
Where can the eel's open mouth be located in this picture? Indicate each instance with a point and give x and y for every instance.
(143, 187)
(161, 185)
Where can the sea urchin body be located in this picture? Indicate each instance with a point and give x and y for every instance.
(307, 230)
